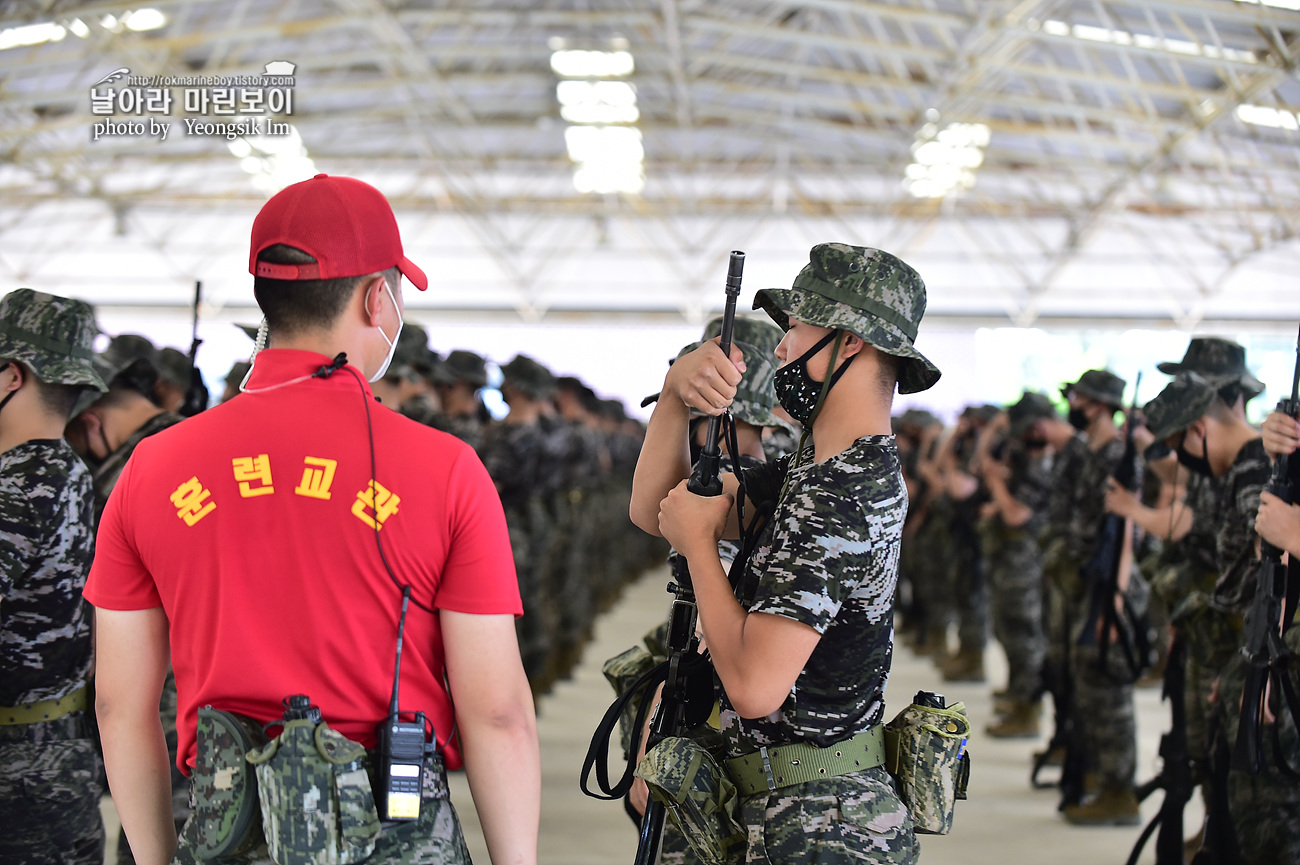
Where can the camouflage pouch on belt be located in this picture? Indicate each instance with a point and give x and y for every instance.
(701, 800)
(925, 751)
(225, 821)
(317, 804)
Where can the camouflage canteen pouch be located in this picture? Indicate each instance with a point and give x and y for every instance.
(225, 820)
(925, 751)
(317, 804)
(622, 671)
(701, 799)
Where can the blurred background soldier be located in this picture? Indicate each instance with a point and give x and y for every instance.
(49, 765)
(106, 431)
(1018, 487)
(515, 452)
(921, 566)
(238, 372)
(173, 379)
(457, 384)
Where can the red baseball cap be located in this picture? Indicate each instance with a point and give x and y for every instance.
(343, 223)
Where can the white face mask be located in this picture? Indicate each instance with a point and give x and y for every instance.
(392, 343)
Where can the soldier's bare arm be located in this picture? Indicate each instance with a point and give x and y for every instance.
(705, 380)
(757, 656)
(132, 654)
(498, 730)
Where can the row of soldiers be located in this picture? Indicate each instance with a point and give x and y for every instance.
(1102, 557)
(562, 460)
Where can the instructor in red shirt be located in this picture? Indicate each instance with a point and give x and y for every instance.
(263, 547)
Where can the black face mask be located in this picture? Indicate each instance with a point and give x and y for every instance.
(3, 402)
(797, 392)
(1035, 444)
(1077, 419)
(1194, 464)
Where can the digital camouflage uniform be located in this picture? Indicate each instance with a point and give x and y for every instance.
(829, 558)
(50, 770)
(516, 457)
(1016, 575)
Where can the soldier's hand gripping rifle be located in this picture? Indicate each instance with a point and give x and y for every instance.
(687, 675)
(1265, 651)
(687, 697)
(196, 395)
(1102, 574)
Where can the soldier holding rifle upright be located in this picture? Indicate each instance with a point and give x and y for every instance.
(817, 596)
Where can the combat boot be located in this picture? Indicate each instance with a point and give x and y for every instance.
(935, 642)
(1020, 722)
(967, 665)
(1112, 806)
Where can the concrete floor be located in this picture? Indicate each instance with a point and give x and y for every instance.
(1004, 820)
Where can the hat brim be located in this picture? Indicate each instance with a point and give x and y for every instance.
(1253, 386)
(50, 368)
(1090, 393)
(413, 273)
(915, 373)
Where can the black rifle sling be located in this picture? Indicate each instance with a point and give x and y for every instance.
(598, 750)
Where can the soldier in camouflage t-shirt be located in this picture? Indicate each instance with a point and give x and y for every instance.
(49, 766)
(804, 654)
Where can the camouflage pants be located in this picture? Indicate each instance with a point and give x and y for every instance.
(1016, 596)
(435, 838)
(931, 592)
(1104, 712)
(1212, 642)
(849, 819)
(1265, 808)
(971, 591)
(49, 794)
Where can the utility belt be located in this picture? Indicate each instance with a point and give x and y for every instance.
(924, 748)
(770, 769)
(45, 710)
(307, 794)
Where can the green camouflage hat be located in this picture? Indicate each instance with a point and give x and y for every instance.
(1026, 411)
(250, 330)
(237, 372)
(869, 293)
(124, 352)
(1215, 356)
(174, 366)
(756, 393)
(466, 366)
(53, 335)
(919, 418)
(529, 376)
(1183, 401)
(983, 413)
(759, 333)
(1099, 384)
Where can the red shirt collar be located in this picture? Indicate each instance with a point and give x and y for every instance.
(275, 366)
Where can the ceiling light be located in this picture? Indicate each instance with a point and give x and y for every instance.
(1277, 4)
(1262, 115)
(141, 20)
(31, 34)
(1090, 33)
(945, 159)
(592, 64)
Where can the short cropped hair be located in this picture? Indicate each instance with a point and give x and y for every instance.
(294, 306)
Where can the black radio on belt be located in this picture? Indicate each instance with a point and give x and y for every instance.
(401, 755)
(402, 746)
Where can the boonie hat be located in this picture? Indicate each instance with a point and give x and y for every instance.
(466, 366)
(758, 333)
(1099, 384)
(1216, 356)
(919, 418)
(1028, 410)
(867, 292)
(529, 376)
(129, 351)
(53, 335)
(1183, 401)
(238, 370)
(345, 224)
(174, 366)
